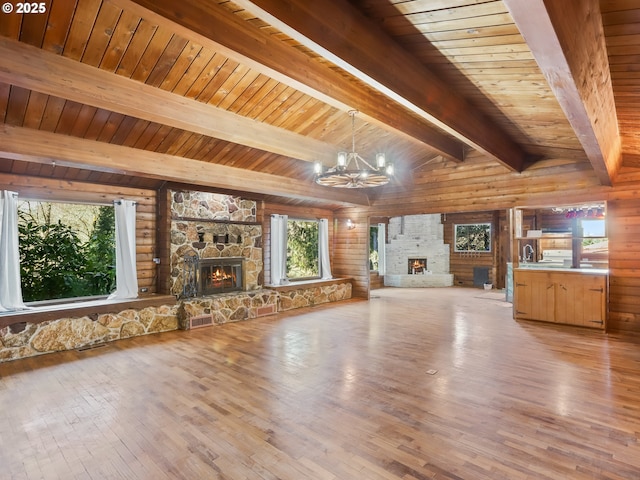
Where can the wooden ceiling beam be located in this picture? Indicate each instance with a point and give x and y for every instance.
(23, 65)
(18, 143)
(567, 40)
(337, 31)
(215, 27)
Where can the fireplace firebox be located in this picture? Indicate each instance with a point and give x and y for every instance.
(220, 275)
(417, 266)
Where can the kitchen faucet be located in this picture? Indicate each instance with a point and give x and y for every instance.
(525, 257)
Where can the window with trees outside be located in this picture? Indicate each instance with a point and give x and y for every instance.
(66, 250)
(374, 255)
(302, 249)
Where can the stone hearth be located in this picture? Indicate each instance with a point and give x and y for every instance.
(231, 307)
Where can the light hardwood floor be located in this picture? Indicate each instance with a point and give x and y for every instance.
(334, 392)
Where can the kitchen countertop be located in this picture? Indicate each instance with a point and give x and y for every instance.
(563, 269)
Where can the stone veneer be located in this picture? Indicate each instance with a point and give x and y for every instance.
(228, 307)
(76, 332)
(233, 307)
(200, 218)
(309, 295)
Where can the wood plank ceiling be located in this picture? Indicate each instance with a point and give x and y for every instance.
(244, 95)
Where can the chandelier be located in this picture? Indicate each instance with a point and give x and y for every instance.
(353, 171)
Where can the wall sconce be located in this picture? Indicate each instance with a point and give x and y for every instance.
(350, 224)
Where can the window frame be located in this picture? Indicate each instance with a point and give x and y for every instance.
(317, 258)
(599, 221)
(53, 302)
(456, 226)
(371, 250)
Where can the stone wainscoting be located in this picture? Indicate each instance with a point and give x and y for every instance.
(24, 339)
(70, 333)
(234, 307)
(308, 294)
(224, 308)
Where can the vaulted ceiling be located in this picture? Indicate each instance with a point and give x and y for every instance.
(244, 95)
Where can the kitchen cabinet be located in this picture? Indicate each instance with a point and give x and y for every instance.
(571, 297)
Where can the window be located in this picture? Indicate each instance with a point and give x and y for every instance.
(66, 250)
(473, 237)
(595, 246)
(302, 249)
(373, 248)
(593, 228)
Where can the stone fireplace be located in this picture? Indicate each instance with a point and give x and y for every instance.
(223, 234)
(416, 255)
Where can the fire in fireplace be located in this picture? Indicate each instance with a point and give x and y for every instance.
(220, 275)
(417, 266)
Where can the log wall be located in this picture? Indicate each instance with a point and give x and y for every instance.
(623, 223)
(376, 280)
(351, 251)
(163, 229)
(462, 264)
(479, 184)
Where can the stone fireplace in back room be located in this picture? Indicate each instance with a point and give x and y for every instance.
(416, 255)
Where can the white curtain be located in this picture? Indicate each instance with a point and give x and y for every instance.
(279, 249)
(126, 274)
(323, 252)
(10, 289)
(382, 238)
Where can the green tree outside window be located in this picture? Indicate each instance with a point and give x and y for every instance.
(302, 249)
(66, 250)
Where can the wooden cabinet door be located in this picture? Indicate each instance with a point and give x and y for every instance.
(581, 300)
(522, 296)
(534, 296)
(544, 293)
(569, 306)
